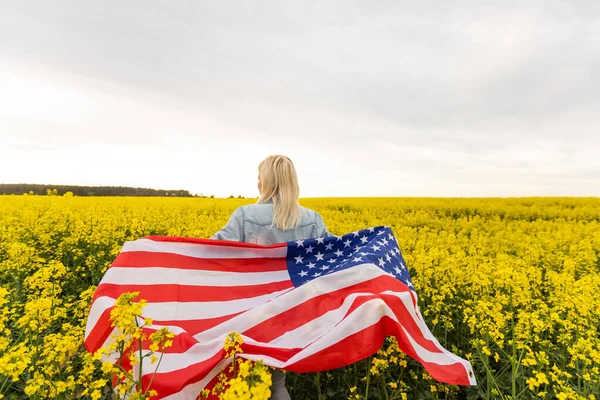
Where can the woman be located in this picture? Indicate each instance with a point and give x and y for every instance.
(276, 217)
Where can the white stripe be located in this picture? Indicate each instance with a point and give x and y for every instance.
(314, 288)
(201, 250)
(175, 276)
(185, 311)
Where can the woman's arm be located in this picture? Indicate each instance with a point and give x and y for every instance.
(234, 230)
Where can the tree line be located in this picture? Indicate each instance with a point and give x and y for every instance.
(60, 190)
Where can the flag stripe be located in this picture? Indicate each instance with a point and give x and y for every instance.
(166, 276)
(206, 249)
(186, 293)
(195, 326)
(145, 259)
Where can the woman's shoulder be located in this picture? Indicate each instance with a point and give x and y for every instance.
(262, 214)
(309, 215)
(258, 213)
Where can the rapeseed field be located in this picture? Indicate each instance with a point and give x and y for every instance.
(513, 285)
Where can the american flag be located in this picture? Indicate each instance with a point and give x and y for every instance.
(304, 306)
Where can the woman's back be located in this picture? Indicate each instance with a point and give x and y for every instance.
(253, 223)
(259, 223)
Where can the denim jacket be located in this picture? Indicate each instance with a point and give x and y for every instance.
(253, 223)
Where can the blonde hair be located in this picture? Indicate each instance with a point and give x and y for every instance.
(279, 183)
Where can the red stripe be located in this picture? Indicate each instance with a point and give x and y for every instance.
(195, 326)
(186, 293)
(226, 243)
(142, 259)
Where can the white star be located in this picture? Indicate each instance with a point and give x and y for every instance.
(320, 240)
(316, 274)
(319, 256)
(387, 257)
(371, 230)
(357, 248)
(380, 232)
(410, 284)
(403, 266)
(299, 259)
(364, 239)
(355, 233)
(339, 253)
(356, 259)
(347, 243)
(309, 249)
(391, 237)
(311, 265)
(362, 253)
(331, 260)
(385, 241)
(324, 268)
(300, 243)
(329, 246)
(381, 262)
(303, 273)
(376, 248)
(397, 270)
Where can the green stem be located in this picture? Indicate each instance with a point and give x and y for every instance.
(385, 391)
(489, 373)
(3, 384)
(154, 374)
(368, 378)
(140, 359)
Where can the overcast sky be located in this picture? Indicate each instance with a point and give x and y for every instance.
(368, 98)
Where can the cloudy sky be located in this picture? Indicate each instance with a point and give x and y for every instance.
(368, 98)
